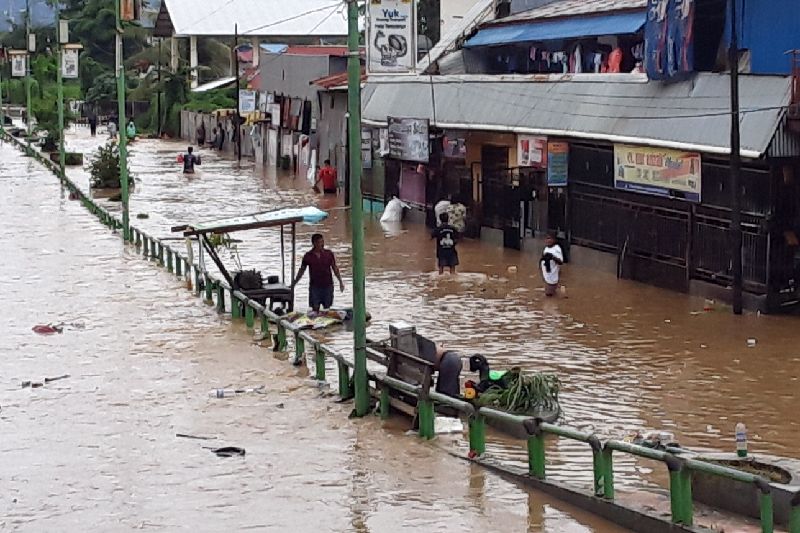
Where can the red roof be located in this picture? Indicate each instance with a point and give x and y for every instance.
(337, 80)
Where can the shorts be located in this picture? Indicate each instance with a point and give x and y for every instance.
(329, 191)
(550, 289)
(449, 380)
(320, 297)
(448, 258)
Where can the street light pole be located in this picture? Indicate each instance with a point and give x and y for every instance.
(60, 83)
(28, 58)
(122, 131)
(736, 165)
(356, 210)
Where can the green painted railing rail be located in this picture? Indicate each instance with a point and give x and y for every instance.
(680, 469)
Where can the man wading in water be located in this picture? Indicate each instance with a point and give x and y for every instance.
(320, 263)
(189, 160)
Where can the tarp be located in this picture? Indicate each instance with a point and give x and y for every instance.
(309, 215)
(548, 30)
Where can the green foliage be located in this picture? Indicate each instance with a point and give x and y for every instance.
(211, 101)
(523, 394)
(104, 168)
(104, 88)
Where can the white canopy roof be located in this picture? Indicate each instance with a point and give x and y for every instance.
(258, 18)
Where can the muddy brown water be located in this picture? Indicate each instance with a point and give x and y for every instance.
(98, 451)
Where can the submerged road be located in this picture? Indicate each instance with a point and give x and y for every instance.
(98, 451)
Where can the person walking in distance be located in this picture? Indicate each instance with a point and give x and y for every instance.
(446, 237)
(551, 261)
(327, 175)
(321, 263)
(189, 160)
(91, 118)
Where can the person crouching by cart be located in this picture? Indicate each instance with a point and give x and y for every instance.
(321, 265)
(449, 365)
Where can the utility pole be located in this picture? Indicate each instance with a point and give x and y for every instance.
(356, 210)
(238, 103)
(122, 128)
(3, 60)
(60, 82)
(158, 96)
(28, 58)
(736, 166)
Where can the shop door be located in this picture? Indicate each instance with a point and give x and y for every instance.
(495, 187)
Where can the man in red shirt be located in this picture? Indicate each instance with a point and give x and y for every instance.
(327, 175)
(320, 263)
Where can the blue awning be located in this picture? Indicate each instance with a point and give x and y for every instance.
(549, 30)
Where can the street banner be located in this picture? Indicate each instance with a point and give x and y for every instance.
(657, 171)
(391, 36)
(669, 38)
(531, 151)
(247, 102)
(557, 164)
(408, 139)
(129, 10)
(69, 63)
(18, 63)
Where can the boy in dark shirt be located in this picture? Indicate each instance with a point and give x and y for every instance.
(320, 263)
(189, 161)
(446, 236)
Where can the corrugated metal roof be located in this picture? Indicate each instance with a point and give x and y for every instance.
(571, 8)
(570, 28)
(317, 50)
(336, 82)
(689, 115)
(271, 18)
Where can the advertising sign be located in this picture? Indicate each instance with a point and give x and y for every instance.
(247, 102)
(657, 171)
(454, 147)
(69, 63)
(18, 63)
(391, 31)
(408, 139)
(557, 164)
(531, 151)
(669, 39)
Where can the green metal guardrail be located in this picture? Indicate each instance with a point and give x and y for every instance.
(680, 469)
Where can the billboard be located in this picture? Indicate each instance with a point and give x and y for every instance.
(69, 63)
(247, 102)
(408, 139)
(18, 63)
(391, 36)
(669, 38)
(661, 172)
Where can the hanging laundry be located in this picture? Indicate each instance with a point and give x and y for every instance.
(615, 60)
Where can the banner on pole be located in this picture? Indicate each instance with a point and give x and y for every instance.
(19, 60)
(391, 36)
(69, 62)
(247, 102)
(63, 31)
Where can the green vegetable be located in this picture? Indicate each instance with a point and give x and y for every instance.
(524, 394)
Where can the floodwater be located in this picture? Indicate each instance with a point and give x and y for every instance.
(631, 357)
(99, 451)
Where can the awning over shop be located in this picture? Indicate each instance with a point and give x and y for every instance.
(216, 84)
(569, 28)
(690, 115)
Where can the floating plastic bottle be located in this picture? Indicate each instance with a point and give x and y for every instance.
(227, 393)
(741, 440)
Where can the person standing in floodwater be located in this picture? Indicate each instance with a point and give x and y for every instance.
(321, 263)
(91, 118)
(201, 134)
(446, 237)
(189, 160)
(551, 261)
(327, 175)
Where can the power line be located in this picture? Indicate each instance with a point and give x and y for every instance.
(329, 15)
(289, 19)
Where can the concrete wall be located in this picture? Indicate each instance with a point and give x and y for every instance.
(332, 128)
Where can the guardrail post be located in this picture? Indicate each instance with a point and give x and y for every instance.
(283, 344)
(766, 505)
(209, 287)
(680, 491)
(599, 468)
(264, 326)
(536, 452)
(384, 402)
(178, 266)
(608, 473)
(220, 297)
(236, 309)
(345, 391)
(299, 349)
(477, 434)
(146, 247)
(249, 317)
(170, 268)
(160, 255)
(138, 239)
(425, 413)
(794, 516)
(319, 363)
(197, 289)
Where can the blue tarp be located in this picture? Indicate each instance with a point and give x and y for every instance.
(549, 30)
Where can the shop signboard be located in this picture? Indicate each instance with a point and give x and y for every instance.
(129, 10)
(454, 147)
(408, 139)
(557, 164)
(69, 62)
(531, 151)
(661, 172)
(247, 102)
(391, 31)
